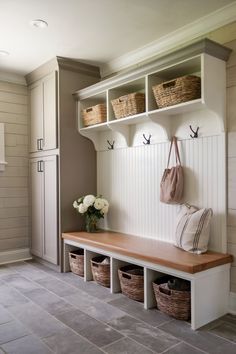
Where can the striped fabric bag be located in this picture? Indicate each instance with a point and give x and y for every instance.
(193, 229)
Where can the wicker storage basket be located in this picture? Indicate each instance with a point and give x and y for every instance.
(131, 282)
(182, 89)
(129, 105)
(94, 115)
(100, 271)
(173, 302)
(76, 259)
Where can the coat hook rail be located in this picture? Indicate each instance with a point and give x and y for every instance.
(111, 145)
(195, 133)
(147, 140)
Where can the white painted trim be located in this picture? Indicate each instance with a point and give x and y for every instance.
(21, 254)
(232, 303)
(12, 78)
(183, 35)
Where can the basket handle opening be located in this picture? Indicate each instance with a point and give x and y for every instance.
(127, 276)
(72, 256)
(165, 291)
(88, 110)
(169, 84)
(95, 265)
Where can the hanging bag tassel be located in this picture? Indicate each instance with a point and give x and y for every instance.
(172, 182)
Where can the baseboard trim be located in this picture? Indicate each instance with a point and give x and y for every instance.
(54, 267)
(232, 303)
(21, 254)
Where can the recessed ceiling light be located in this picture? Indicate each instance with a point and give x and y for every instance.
(4, 53)
(39, 23)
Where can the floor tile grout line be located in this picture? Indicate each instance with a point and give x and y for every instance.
(3, 350)
(193, 346)
(173, 346)
(164, 323)
(224, 338)
(132, 339)
(12, 340)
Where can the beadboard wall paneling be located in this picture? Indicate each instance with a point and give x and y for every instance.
(14, 213)
(130, 180)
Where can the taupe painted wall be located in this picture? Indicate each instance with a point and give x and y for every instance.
(14, 213)
(231, 122)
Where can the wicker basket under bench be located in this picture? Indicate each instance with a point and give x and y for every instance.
(76, 259)
(208, 273)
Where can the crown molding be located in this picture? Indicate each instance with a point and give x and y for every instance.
(12, 78)
(175, 39)
(78, 67)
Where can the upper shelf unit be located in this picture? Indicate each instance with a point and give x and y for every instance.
(205, 59)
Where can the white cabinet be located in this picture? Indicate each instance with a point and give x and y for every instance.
(44, 208)
(43, 112)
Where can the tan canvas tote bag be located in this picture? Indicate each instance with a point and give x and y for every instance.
(172, 183)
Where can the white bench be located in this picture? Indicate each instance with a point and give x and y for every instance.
(208, 273)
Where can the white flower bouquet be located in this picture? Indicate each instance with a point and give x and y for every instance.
(93, 208)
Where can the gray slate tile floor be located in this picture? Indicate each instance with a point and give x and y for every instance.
(43, 312)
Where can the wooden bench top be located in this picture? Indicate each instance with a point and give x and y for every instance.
(150, 250)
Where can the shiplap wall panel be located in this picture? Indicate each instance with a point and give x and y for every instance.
(14, 213)
(130, 180)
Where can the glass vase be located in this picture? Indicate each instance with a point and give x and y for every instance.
(91, 223)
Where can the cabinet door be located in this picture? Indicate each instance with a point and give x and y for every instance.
(50, 241)
(37, 205)
(50, 112)
(36, 116)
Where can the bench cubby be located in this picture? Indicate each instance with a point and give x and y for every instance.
(208, 273)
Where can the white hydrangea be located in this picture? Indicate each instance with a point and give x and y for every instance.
(89, 200)
(82, 208)
(104, 210)
(105, 202)
(75, 204)
(99, 204)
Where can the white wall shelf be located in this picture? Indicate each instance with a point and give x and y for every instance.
(207, 112)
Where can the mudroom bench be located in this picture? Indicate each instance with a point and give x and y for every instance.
(208, 273)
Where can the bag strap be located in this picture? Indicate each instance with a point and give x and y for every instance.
(177, 157)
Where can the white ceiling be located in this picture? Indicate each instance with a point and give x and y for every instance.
(94, 31)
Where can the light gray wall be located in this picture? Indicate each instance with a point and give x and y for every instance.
(14, 213)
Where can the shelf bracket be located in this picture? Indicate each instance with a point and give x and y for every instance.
(121, 129)
(164, 123)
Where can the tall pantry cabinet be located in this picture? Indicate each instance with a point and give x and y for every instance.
(62, 162)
